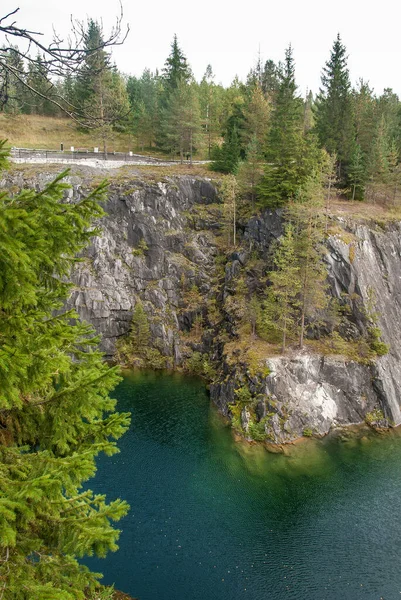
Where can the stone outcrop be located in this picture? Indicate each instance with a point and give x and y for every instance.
(304, 394)
(159, 240)
(145, 252)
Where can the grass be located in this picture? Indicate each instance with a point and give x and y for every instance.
(34, 131)
(365, 211)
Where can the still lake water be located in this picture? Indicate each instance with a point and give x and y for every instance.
(212, 519)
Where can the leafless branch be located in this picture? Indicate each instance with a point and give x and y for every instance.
(59, 59)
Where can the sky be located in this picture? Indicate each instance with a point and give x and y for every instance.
(228, 35)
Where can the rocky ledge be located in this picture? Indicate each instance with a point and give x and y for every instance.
(160, 246)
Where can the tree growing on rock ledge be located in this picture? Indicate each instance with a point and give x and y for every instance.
(56, 414)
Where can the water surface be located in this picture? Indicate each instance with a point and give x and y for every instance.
(212, 519)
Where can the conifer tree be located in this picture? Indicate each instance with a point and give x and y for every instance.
(256, 118)
(364, 108)
(334, 124)
(306, 213)
(270, 80)
(139, 336)
(394, 171)
(100, 89)
(181, 121)
(229, 194)
(16, 91)
(211, 108)
(285, 287)
(56, 414)
(176, 68)
(357, 173)
(38, 79)
(285, 170)
(250, 171)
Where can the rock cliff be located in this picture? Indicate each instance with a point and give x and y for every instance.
(161, 245)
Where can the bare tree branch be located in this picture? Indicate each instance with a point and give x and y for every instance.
(60, 59)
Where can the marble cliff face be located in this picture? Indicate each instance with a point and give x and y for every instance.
(160, 240)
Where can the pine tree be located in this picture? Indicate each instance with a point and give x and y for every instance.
(211, 108)
(377, 163)
(56, 414)
(306, 213)
(226, 158)
(144, 94)
(250, 171)
(229, 194)
(334, 124)
(285, 287)
(256, 118)
(394, 171)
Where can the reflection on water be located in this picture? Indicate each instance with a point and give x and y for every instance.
(214, 519)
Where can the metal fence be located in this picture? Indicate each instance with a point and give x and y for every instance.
(78, 154)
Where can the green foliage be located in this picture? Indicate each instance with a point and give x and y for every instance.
(357, 173)
(141, 249)
(176, 69)
(180, 120)
(236, 422)
(286, 285)
(226, 158)
(375, 416)
(374, 332)
(56, 414)
(243, 394)
(307, 432)
(297, 295)
(285, 150)
(334, 107)
(257, 430)
(378, 347)
(201, 365)
(136, 349)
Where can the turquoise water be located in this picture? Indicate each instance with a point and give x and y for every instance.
(212, 519)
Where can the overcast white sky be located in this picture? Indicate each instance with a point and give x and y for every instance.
(228, 35)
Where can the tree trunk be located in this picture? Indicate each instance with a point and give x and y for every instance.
(327, 207)
(234, 220)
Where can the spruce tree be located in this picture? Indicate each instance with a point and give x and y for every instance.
(56, 414)
(176, 68)
(357, 173)
(285, 149)
(334, 123)
(226, 158)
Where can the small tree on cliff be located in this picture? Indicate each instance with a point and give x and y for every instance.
(283, 302)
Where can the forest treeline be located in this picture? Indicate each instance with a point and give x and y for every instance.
(260, 129)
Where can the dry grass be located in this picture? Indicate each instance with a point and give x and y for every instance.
(364, 211)
(33, 131)
(153, 172)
